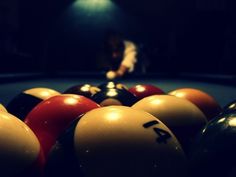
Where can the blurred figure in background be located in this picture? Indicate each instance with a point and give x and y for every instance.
(121, 56)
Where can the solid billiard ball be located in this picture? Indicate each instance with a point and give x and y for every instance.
(117, 141)
(182, 117)
(112, 85)
(24, 102)
(205, 102)
(107, 97)
(20, 152)
(86, 90)
(214, 152)
(2, 108)
(230, 108)
(110, 75)
(52, 116)
(143, 90)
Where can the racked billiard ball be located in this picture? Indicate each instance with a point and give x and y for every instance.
(20, 151)
(117, 141)
(205, 102)
(143, 90)
(86, 90)
(112, 85)
(107, 97)
(183, 118)
(214, 152)
(24, 102)
(52, 116)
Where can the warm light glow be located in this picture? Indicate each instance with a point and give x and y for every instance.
(232, 122)
(112, 116)
(5, 117)
(85, 88)
(112, 93)
(157, 102)
(221, 120)
(27, 129)
(180, 95)
(70, 101)
(232, 106)
(140, 88)
(120, 86)
(2, 108)
(44, 94)
(111, 85)
(94, 90)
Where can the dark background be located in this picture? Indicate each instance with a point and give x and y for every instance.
(197, 36)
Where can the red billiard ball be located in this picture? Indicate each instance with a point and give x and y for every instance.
(52, 116)
(142, 91)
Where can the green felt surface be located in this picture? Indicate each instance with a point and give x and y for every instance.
(221, 92)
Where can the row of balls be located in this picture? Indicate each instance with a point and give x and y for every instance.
(110, 141)
(112, 93)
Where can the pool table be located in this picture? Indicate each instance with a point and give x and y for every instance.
(222, 88)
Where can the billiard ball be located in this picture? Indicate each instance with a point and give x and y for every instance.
(20, 152)
(110, 75)
(205, 102)
(117, 141)
(24, 102)
(230, 108)
(52, 116)
(214, 152)
(112, 85)
(143, 90)
(109, 97)
(86, 90)
(182, 117)
(2, 108)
